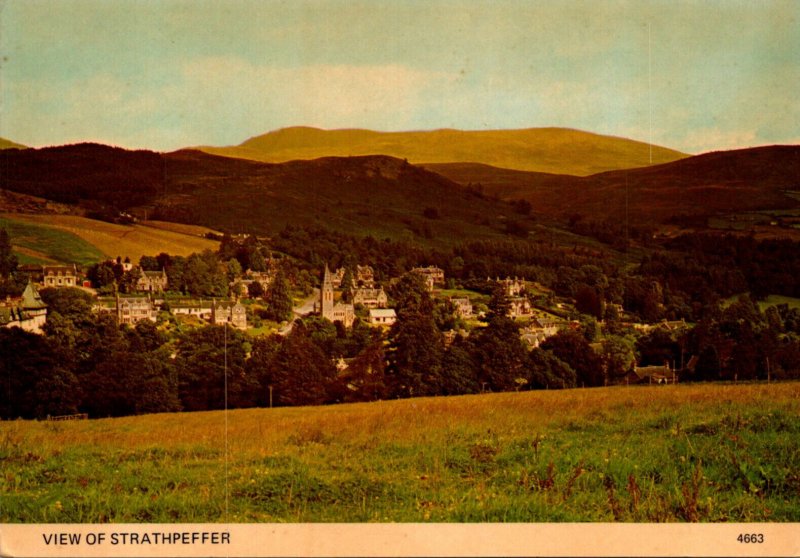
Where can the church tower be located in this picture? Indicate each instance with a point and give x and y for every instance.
(326, 295)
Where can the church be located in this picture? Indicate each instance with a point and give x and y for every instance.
(331, 310)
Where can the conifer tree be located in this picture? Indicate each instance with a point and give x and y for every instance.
(280, 301)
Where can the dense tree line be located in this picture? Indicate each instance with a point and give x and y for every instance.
(87, 363)
(105, 175)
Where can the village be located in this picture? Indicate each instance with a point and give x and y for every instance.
(344, 296)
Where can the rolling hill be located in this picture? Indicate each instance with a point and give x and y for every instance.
(387, 197)
(8, 144)
(719, 182)
(554, 150)
(377, 195)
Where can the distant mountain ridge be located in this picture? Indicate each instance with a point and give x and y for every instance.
(385, 196)
(553, 150)
(8, 144)
(722, 181)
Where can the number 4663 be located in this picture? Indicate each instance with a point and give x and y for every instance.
(751, 538)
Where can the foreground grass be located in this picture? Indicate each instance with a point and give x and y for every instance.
(660, 453)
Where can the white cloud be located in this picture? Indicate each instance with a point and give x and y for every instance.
(216, 101)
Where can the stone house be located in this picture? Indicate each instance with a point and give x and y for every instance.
(519, 307)
(512, 287)
(60, 276)
(463, 307)
(363, 277)
(134, 309)
(538, 330)
(370, 298)
(28, 312)
(152, 281)
(227, 311)
(382, 316)
(433, 275)
(198, 308)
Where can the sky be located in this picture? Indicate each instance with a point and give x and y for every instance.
(694, 76)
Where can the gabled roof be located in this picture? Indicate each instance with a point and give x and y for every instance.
(31, 300)
(60, 269)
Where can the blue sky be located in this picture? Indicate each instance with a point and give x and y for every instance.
(694, 76)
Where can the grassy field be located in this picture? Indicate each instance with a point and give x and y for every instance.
(99, 239)
(39, 243)
(775, 300)
(641, 454)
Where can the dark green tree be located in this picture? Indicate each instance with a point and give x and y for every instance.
(547, 371)
(364, 379)
(8, 261)
(572, 348)
(499, 305)
(203, 276)
(279, 298)
(415, 355)
(410, 295)
(149, 263)
(348, 282)
(34, 380)
(203, 356)
(500, 355)
(300, 373)
(459, 374)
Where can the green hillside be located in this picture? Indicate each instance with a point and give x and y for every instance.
(378, 196)
(39, 244)
(554, 150)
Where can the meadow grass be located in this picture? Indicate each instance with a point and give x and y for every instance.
(39, 243)
(108, 239)
(709, 453)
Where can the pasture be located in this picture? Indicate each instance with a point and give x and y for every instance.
(685, 453)
(109, 239)
(35, 242)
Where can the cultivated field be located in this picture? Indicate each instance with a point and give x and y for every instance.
(41, 244)
(638, 454)
(114, 240)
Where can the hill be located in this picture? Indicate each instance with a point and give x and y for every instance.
(554, 150)
(377, 195)
(87, 171)
(702, 452)
(763, 178)
(8, 144)
(75, 239)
